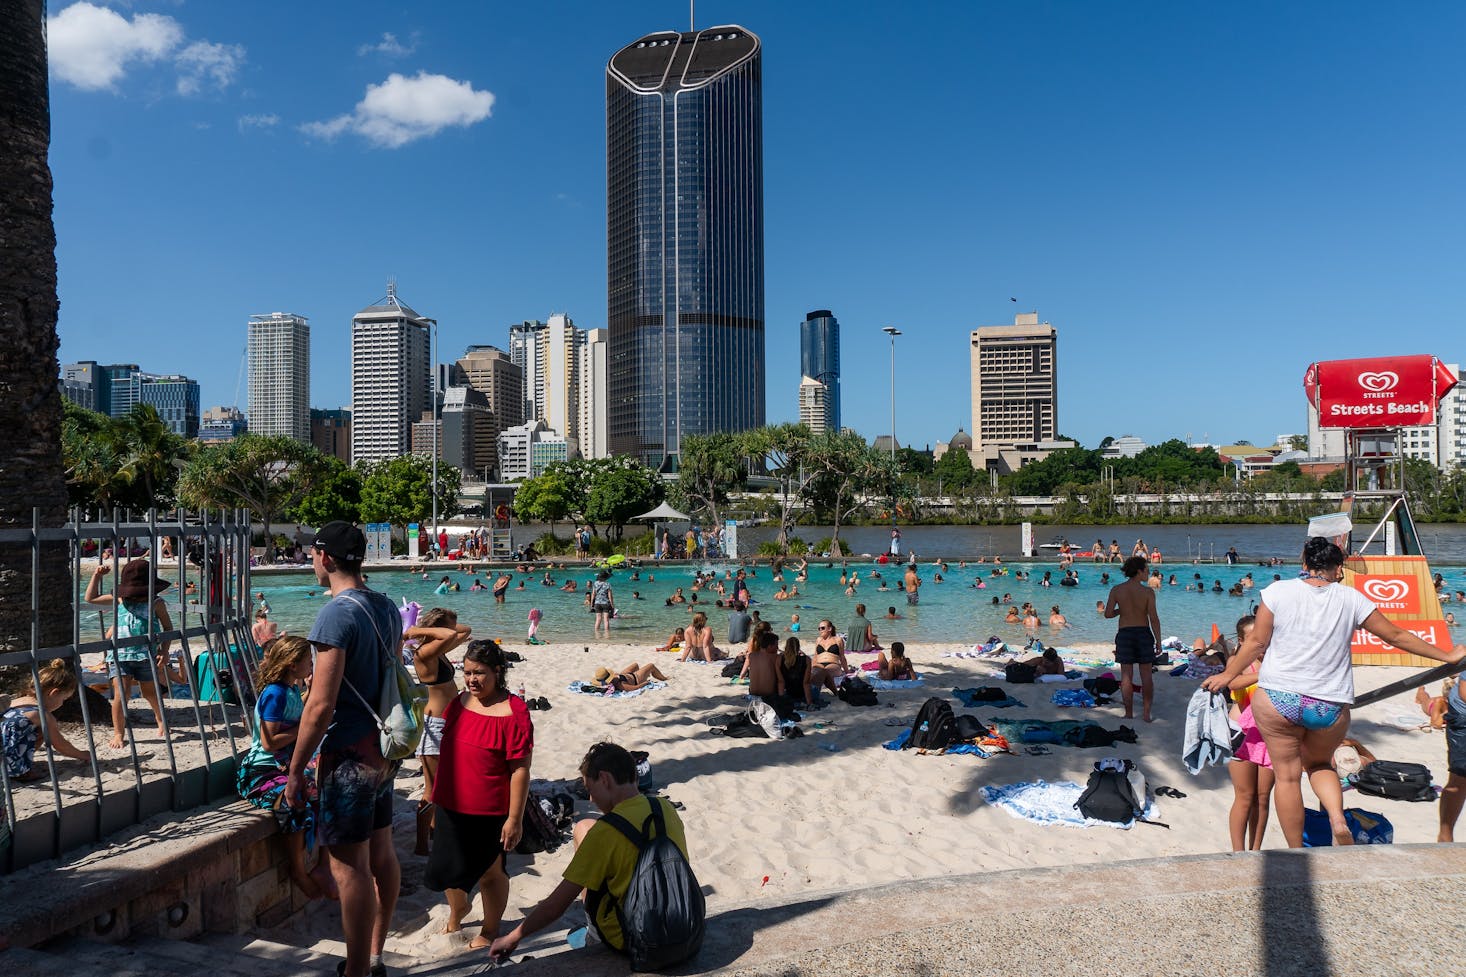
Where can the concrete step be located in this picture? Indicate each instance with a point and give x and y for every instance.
(270, 954)
(21, 962)
(215, 961)
(119, 960)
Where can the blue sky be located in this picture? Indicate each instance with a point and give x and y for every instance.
(1202, 197)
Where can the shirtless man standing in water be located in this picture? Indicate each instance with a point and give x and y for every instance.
(1139, 634)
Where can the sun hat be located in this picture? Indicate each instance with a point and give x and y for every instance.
(602, 674)
(340, 541)
(132, 582)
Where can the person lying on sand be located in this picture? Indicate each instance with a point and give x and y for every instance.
(1049, 663)
(630, 678)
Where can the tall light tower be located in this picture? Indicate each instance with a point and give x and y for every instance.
(893, 332)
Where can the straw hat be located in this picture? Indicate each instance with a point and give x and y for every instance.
(603, 674)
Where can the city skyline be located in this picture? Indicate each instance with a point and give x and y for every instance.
(1201, 211)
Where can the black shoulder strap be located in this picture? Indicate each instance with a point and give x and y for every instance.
(626, 828)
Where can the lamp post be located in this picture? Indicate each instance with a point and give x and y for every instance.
(436, 421)
(893, 332)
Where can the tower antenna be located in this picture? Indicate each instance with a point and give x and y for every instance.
(692, 15)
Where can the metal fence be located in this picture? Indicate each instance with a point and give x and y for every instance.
(202, 665)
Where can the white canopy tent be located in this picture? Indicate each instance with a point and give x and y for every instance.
(666, 513)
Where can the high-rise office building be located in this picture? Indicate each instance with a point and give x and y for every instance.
(331, 432)
(1015, 394)
(279, 375)
(593, 395)
(220, 424)
(559, 355)
(684, 237)
(465, 419)
(89, 384)
(524, 352)
(819, 358)
(814, 406)
(391, 377)
(174, 397)
(490, 371)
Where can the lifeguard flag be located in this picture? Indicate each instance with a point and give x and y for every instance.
(1401, 587)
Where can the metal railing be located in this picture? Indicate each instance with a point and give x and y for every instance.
(203, 735)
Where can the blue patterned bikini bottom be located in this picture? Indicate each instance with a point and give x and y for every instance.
(1303, 710)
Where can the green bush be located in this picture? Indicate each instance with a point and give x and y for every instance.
(823, 545)
(600, 546)
(551, 545)
(637, 545)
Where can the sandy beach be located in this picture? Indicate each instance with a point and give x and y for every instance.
(773, 820)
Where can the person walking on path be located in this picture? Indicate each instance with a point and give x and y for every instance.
(354, 636)
(1306, 682)
(1138, 636)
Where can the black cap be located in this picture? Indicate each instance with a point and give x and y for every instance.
(341, 541)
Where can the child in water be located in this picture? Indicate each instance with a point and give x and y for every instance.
(534, 626)
(20, 726)
(287, 666)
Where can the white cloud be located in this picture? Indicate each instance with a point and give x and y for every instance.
(402, 109)
(91, 47)
(389, 46)
(204, 64)
(267, 120)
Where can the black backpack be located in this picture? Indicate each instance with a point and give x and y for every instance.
(1108, 797)
(935, 727)
(857, 692)
(970, 728)
(542, 832)
(734, 667)
(1020, 672)
(663, 913)
(1397, 781)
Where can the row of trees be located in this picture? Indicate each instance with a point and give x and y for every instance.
(601, 493)
(136, 462)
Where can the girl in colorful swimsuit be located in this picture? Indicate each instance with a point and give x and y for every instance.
(1306, 682)
(20, 725)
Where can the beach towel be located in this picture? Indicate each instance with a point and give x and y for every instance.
(1051, 803)
(1072, 697)
(974, 697)
(1208, 731)
(1067, 732)
(582, 686)
(964, 748)
(891, 683)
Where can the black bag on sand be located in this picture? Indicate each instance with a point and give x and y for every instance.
(1108, 797)
(970, 728)
(541, 832)
(733, 667)
(935, 727)
(663, 913)
(857, 692)
(1020, 673)
(1397, 781)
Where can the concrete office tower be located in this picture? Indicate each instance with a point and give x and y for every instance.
(559, 367)
(684, 239)
(280, 375)
(526, 450)
(391, 377)
(331, 432)
(174, 397)
(524, 352)
(465, 419)
(594, 399)
(1015, 383)
(819, 358)
(490, 371)
(814, 406)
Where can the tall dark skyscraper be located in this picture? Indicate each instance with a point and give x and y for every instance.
(685, 239)
(819, 356)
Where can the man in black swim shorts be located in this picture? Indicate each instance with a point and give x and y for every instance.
(1133, 602)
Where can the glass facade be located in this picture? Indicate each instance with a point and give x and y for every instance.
(684, 227)
(819, 358)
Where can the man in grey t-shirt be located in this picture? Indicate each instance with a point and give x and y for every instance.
(738, 624)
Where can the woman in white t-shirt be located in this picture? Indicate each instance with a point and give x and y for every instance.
(1307, 679)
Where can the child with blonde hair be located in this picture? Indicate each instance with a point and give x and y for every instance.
(20, 725)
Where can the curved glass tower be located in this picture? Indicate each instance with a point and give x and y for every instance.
(684, 239)
(819, 357)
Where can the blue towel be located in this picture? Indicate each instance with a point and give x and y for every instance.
(966, 697)
(905, 736)
(888, 683)
(1046, 803)
(899, 741)
(1072, 697)
(578, 686)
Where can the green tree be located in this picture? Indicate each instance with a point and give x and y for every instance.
(89, 453)
(265, 473)
(620, 488)
(912, 462)
(954, 472)
(1043, 477)
(400, 490)
(846, 471)
(148, 453)
(544, 498)
(335, 495)
(783, 449)
(711, 467)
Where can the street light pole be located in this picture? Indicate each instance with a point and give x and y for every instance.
(436, 422)
(893, 332)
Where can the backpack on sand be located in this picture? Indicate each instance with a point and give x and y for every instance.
(663, 913)
(1110, 794)
(400, 706)
(1020, 673)
(1397, 781)
(935, 727)
(857, 692)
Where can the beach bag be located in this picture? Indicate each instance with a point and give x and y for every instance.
(1397, 781)
(1109, 794)
(733, 668)
(644, 781)
(764, 716)
(987, 693)
(935, 727)
(663, 914)
(399, 712)
(1103, 685)
(1020, 673)
(541, 832)
(970, 728)
(1367, 828)
(857, 692)
(213, 678)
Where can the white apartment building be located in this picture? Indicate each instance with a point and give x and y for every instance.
(524, 451)
(391, 377)
(560, 367)
(524, 352)
(595, 435)
(814, 405)
(280, 375)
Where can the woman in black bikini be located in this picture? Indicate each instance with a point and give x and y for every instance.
(630, 678)
(829, 658)
(437, 633)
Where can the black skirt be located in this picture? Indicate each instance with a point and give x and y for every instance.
(465, 846)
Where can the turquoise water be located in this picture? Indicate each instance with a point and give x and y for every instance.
(950, 611)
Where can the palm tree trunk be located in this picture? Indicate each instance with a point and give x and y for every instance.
(31, 472)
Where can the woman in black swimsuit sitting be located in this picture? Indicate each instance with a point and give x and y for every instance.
(630, 678)
(437, 633)
(829, 658)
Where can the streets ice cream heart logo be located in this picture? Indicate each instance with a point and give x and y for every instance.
(1386, 591)
(1379, 382)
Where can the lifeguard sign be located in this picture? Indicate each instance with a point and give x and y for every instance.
(1401, 587)
(1380, 392)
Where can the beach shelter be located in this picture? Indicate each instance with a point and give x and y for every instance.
(665, 513)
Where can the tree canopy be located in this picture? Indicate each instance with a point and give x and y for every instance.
(265, 473)
(400, 490)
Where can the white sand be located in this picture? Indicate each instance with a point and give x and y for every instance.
(812, 820)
